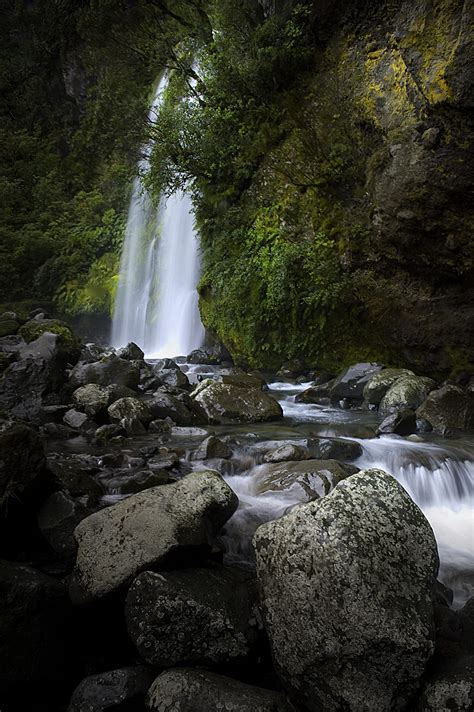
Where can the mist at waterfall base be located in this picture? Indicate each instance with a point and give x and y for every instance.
(156, 304)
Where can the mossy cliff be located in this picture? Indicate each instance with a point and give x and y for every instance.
(353, 238)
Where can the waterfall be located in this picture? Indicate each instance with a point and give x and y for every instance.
(156, 305)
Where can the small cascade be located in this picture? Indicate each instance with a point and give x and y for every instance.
(156, 304)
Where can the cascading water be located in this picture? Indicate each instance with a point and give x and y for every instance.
(157, 304)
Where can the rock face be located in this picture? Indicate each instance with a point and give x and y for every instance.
(448, 408)
(358, 568)
(187, 690)
(351, 382)
(228, 403)
(113, 690)
(194, 616)
(142, 531)
(407, 392)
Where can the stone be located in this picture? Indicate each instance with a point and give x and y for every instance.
(187, 690)
(130, 408)
(238, 377)
(192, 617)
(466, 620)
(110, 370)
(144, 530)
(131, 352)
(76, 477)
(23, 473)
(310, 479)
(163, 425)
(67, 342)
(173, 377)
(448, 409)
(165, 405)
(212, 447)
(402, 422)
(288, 451)
(8, 327)
(346, 586)
(57, 519)
(226, 403)
(406, 392)
(337, 449)
(78, 420)
(92, 399)
(138, 481)
(351, 382)
(132, 427)
(449, 687)
(113, 690)
(315, 394)
(378, 384)
(109, 431)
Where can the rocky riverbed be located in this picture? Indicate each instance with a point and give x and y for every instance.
(182, 535)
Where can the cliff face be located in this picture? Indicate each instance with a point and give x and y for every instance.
(377, 164)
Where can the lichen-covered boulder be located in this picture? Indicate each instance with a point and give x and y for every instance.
(108, 371)
(228, 403)
(449, 687)
(308, 479)
(346, 585)
(406, 392)
(112, 690)
(130, 408)
(194, 616)
(187, 690)
(448, 408)
(91, 398)
(351, 382)
(378, 384)
(141, 532)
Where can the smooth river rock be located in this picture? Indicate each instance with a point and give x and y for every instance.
(187, 690)
(407, 392)
(194, 616)
(310, 479)
(346, 585)
(143, 531)
(229, 403)
(122, 689)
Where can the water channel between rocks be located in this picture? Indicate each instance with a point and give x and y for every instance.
(438, 473)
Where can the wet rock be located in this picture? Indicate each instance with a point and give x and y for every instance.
(169, 373)
(79, 421)
(212, 447)
(187, 690)
(402, 422)
(466, 621)
(209, 355)
(109, 431)
(67, 343)
(288, 451)
(195, 616)
(108, 371)
(355, 636)
(448, 409)
(132, 427)
(449, 687)
(226, 403)
(310, 479)
(161, 426)
(351, 382)
(315, 394)
(92, 399)
(378, 384)
(131, 352)
(8, 326)
(406, 392)
(76, 477)
(57, 519)
(130, 408)
(238, 377)
(138, 481)
(337, 449)
(34, 608)
(113, 690)
(165, 405)
(144, 530)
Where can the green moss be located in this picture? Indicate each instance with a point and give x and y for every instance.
(67, 339)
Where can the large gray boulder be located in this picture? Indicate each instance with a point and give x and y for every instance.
(94, 399)
(351, 382)
(408, 392)
(108, 371)
(112, 690)
(346, 585)
(448, 408)
(308, 479)
(146, 529)
(187, 690)
(286, 452)
(194, 616)
(378, 384)
(130, 408)
(229, 403)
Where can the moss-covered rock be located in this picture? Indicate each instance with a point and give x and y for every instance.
(406, 392)
(229, 403)
(68, 341)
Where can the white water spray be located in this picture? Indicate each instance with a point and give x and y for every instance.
(157, 303)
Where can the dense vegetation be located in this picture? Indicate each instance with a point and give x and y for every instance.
(326, 148)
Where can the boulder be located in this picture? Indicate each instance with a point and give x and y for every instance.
(346, 584)
(67, 342)
(212, 447)
(92, 399)
(448, 409)
(227, 403)
(108, 371)
(402, 422)
(57, 519)
(449, 687)
(113, 690)
(378, 384)
(406, 392)
(164, 405)
(131, 352)
(351, 382)
(147, 529)
(466, 620)
(337, 449)
(77, 420)
(76, 477)
(169, 373)
(286, 452)
(194, 616)
(238, 377)
(310, 479)
(315, 394)
(187, 690)
(130, 409)
(131, 483)
(8, 326)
